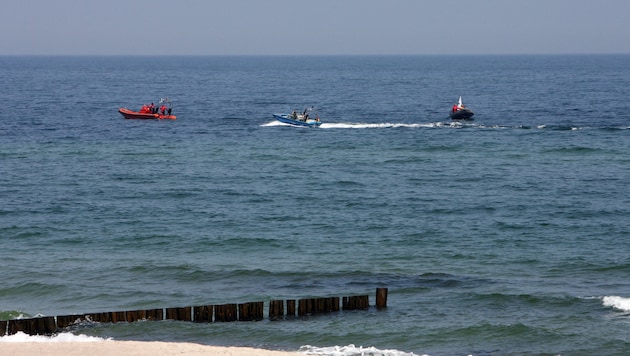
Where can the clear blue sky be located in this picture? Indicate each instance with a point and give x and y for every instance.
(219, 27)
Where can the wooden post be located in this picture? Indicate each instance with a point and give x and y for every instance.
(29, 327)
(250, 311)
(381, 298)
(117, 316)
(45, 325)
(179, 313)
(290, 307)
(257, 310)
(276, 310)
(35, 326)
(320, 305)
(90, 317)
(356, 302)
(335, 304)
(135, 315)
(244, 312)
(104, 317)
(225, 312)
(306, 306)
(203, 313)
(325, 305)
(3, 327)
(311, 306)
(154, 314)
(329, 304)
(184, 314)
(364, 302)
(301, 310)
(64, 321)
(171, 313)
(17, 325)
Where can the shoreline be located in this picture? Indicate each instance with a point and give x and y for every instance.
(137, 348)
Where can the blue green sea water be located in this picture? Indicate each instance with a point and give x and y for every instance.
(505, 235)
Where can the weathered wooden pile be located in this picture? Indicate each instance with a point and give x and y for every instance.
(253, 311)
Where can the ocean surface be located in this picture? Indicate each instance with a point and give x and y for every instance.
(505, 235)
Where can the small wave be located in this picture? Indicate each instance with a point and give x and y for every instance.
(63, 337)
(579, 150)
(351, 350)
(617, 303)
(13, 314)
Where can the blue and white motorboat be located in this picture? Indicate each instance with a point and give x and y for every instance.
(308, 118)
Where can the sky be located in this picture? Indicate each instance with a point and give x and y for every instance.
(312, 27)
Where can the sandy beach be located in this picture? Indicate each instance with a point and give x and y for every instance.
(138, 348)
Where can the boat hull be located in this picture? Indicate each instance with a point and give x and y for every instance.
(136, 115)
(284, 118)
(462, 114)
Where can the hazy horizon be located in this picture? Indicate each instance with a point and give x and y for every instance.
(327, 27)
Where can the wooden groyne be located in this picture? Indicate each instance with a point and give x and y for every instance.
(251, 311)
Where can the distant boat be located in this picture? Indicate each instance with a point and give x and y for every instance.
(309, 117)
(460, 112)
(150, 113)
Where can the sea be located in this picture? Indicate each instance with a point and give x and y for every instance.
(505, 235)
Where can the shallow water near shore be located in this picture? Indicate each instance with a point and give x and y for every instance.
(507, 234)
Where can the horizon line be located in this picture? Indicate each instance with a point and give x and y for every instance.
(313, 54)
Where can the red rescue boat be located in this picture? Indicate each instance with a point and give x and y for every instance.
(150, 112)
(130, 114)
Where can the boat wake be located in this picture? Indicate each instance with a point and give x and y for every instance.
(275, 123)
(365, 125)
(383, 125)
(616, 302)
(439, 124)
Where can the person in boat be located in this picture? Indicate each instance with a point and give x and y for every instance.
(294, 115)
(305, 114)
(145, 109)
(458, 107)
(163, 109)
(152, 108)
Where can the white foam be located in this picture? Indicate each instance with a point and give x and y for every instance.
(63, 337)
(351, 350)
(358, 125)
(617, 302)
(275, 123)
(382, 125)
